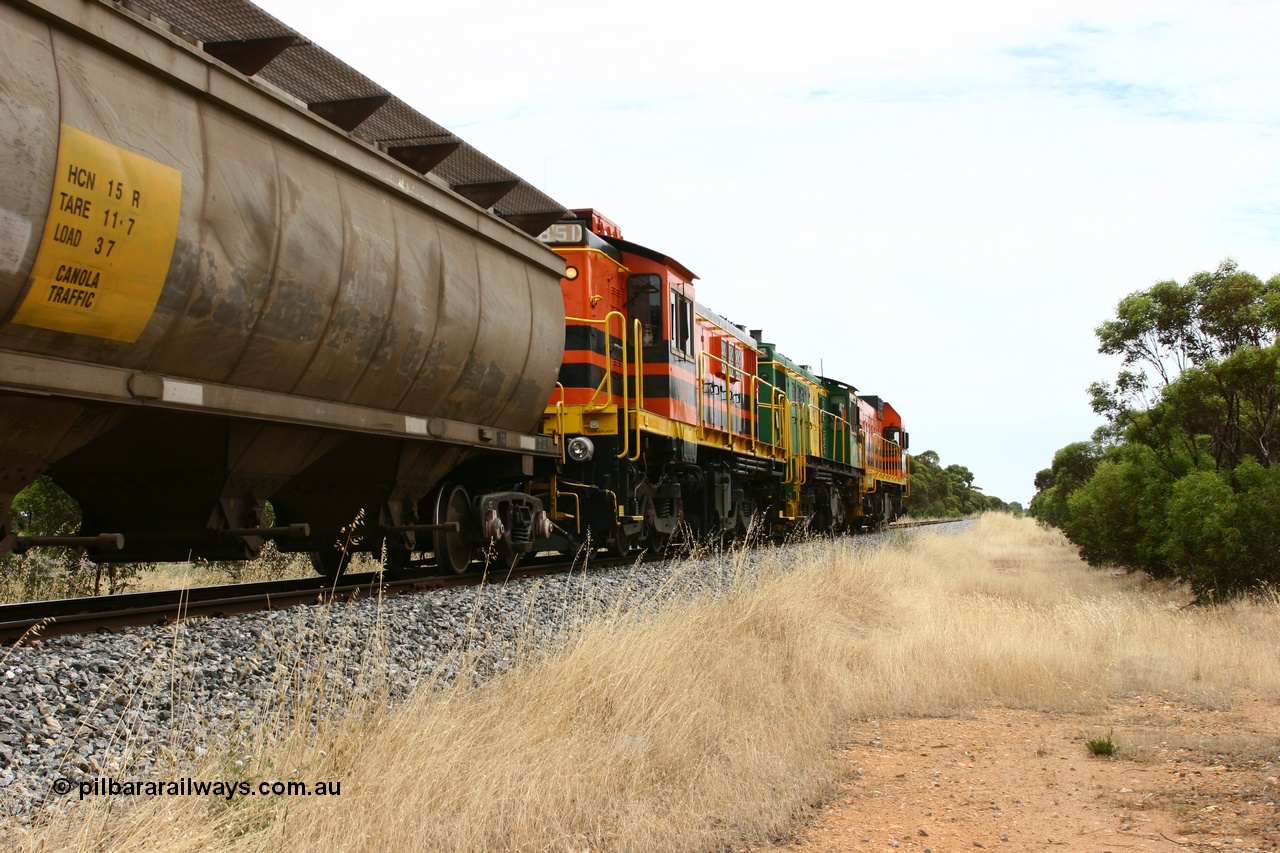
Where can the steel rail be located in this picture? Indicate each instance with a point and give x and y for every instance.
(902, 525)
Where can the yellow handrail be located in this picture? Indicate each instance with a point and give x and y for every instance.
(753, 419)
(795, 471)
(729, 371)
(606, 383)
(701, 392)
(885, 457)
(637, 346)
(556, 495)
(782, 412)
(608, 367)
(807, 433)
(839, 435)
(778, 404)
(560, 422)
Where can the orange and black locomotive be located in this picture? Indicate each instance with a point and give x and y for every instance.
(674, 421)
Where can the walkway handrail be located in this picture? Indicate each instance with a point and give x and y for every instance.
(560, 421)
(606, 383)
(730, 370)
(637, 341)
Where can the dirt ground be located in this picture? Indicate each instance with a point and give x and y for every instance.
(1185, 776)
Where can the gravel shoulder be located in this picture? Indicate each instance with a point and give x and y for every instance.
(1188, 775)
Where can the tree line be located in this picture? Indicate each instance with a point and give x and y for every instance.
(1181, 481)
(947, 492)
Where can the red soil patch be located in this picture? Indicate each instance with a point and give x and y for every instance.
(1185, 777)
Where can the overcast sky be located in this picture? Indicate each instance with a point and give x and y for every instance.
(935, 202)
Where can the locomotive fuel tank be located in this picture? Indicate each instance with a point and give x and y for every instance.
(216, 293)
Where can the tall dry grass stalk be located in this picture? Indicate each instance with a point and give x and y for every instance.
(714, 722)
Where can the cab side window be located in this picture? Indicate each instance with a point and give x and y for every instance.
(681, 325)
(645, 304)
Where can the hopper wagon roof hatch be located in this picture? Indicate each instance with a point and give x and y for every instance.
(248, 39)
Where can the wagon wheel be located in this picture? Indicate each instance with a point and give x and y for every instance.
(503, 557)
(454, 551)
(395, 561)
(329, 562)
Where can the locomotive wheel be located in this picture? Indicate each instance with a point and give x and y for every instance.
(659, 542)
(820, 523)
(622, 543)
(453, 550)
(651, 537)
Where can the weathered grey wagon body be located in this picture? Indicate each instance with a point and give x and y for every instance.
(234, 271)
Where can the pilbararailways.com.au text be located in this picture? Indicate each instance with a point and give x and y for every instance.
(189, 787)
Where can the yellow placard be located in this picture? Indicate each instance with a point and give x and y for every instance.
(107, 243)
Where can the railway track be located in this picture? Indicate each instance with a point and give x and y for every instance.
(32, 621)
(29, 622)
(903, 525)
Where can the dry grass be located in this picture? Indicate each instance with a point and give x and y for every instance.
(271, 566)
(161, 576)
(712, 722)
(38, 577)
(1008, 614)
(1146, 745)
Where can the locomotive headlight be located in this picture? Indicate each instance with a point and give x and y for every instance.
(571, 273)
(580, 449)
